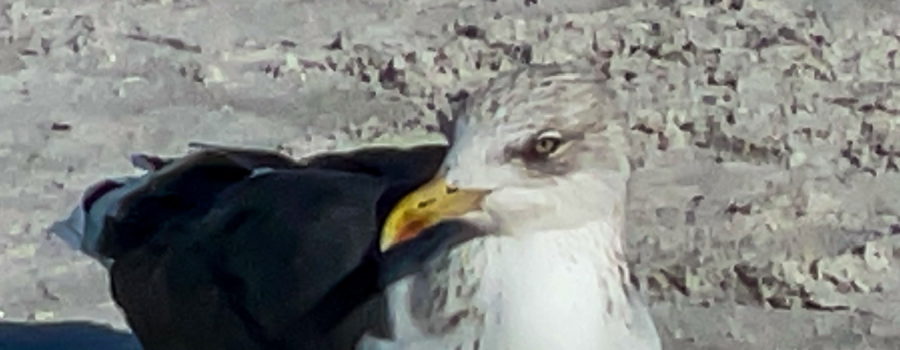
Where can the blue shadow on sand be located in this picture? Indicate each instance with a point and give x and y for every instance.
(64, 336)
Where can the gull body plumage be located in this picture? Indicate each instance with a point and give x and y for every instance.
(543, 147)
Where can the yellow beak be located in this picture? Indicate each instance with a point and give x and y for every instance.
(426, 206)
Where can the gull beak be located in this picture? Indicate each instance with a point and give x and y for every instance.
(425, 207)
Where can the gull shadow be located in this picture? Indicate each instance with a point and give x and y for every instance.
(76, 335)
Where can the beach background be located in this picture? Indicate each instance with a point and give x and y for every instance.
(765, 210)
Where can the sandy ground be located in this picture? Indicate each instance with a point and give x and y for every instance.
(766, 200)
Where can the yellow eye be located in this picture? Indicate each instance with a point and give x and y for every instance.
(547, 143)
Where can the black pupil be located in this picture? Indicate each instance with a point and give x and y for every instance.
(547, 145)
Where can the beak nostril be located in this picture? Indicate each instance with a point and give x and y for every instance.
(425, 203)
(452, 189)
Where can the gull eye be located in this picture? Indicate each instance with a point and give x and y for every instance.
(547, 143)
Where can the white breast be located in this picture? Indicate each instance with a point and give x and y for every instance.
(552, 290)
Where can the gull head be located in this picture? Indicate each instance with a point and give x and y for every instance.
(536, 149)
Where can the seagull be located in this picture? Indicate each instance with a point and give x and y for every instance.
(537, 163)
(234, 248)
